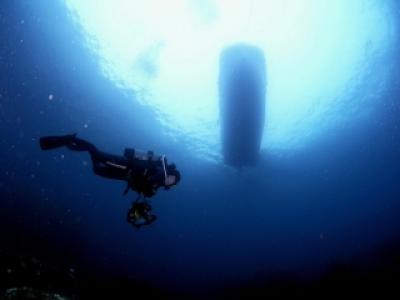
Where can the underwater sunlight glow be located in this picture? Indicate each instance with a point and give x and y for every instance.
(319, 54)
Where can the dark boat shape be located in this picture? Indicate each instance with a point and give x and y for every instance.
(242, 93)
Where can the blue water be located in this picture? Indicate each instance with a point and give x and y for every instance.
(325, 192)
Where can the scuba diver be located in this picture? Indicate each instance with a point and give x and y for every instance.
(143, 172)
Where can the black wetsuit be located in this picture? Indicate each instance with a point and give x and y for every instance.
(144, 176)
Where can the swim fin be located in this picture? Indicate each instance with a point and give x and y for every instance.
(52, 142)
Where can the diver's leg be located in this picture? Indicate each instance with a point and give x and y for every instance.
(104, 164)
(77, 144)
(70, 141)
(52, 142)
(108, 165)
(101, 160)
(110, 172)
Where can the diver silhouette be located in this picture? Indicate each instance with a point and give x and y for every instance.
(143, 172)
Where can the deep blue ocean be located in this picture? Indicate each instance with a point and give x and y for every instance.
(319, 213)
